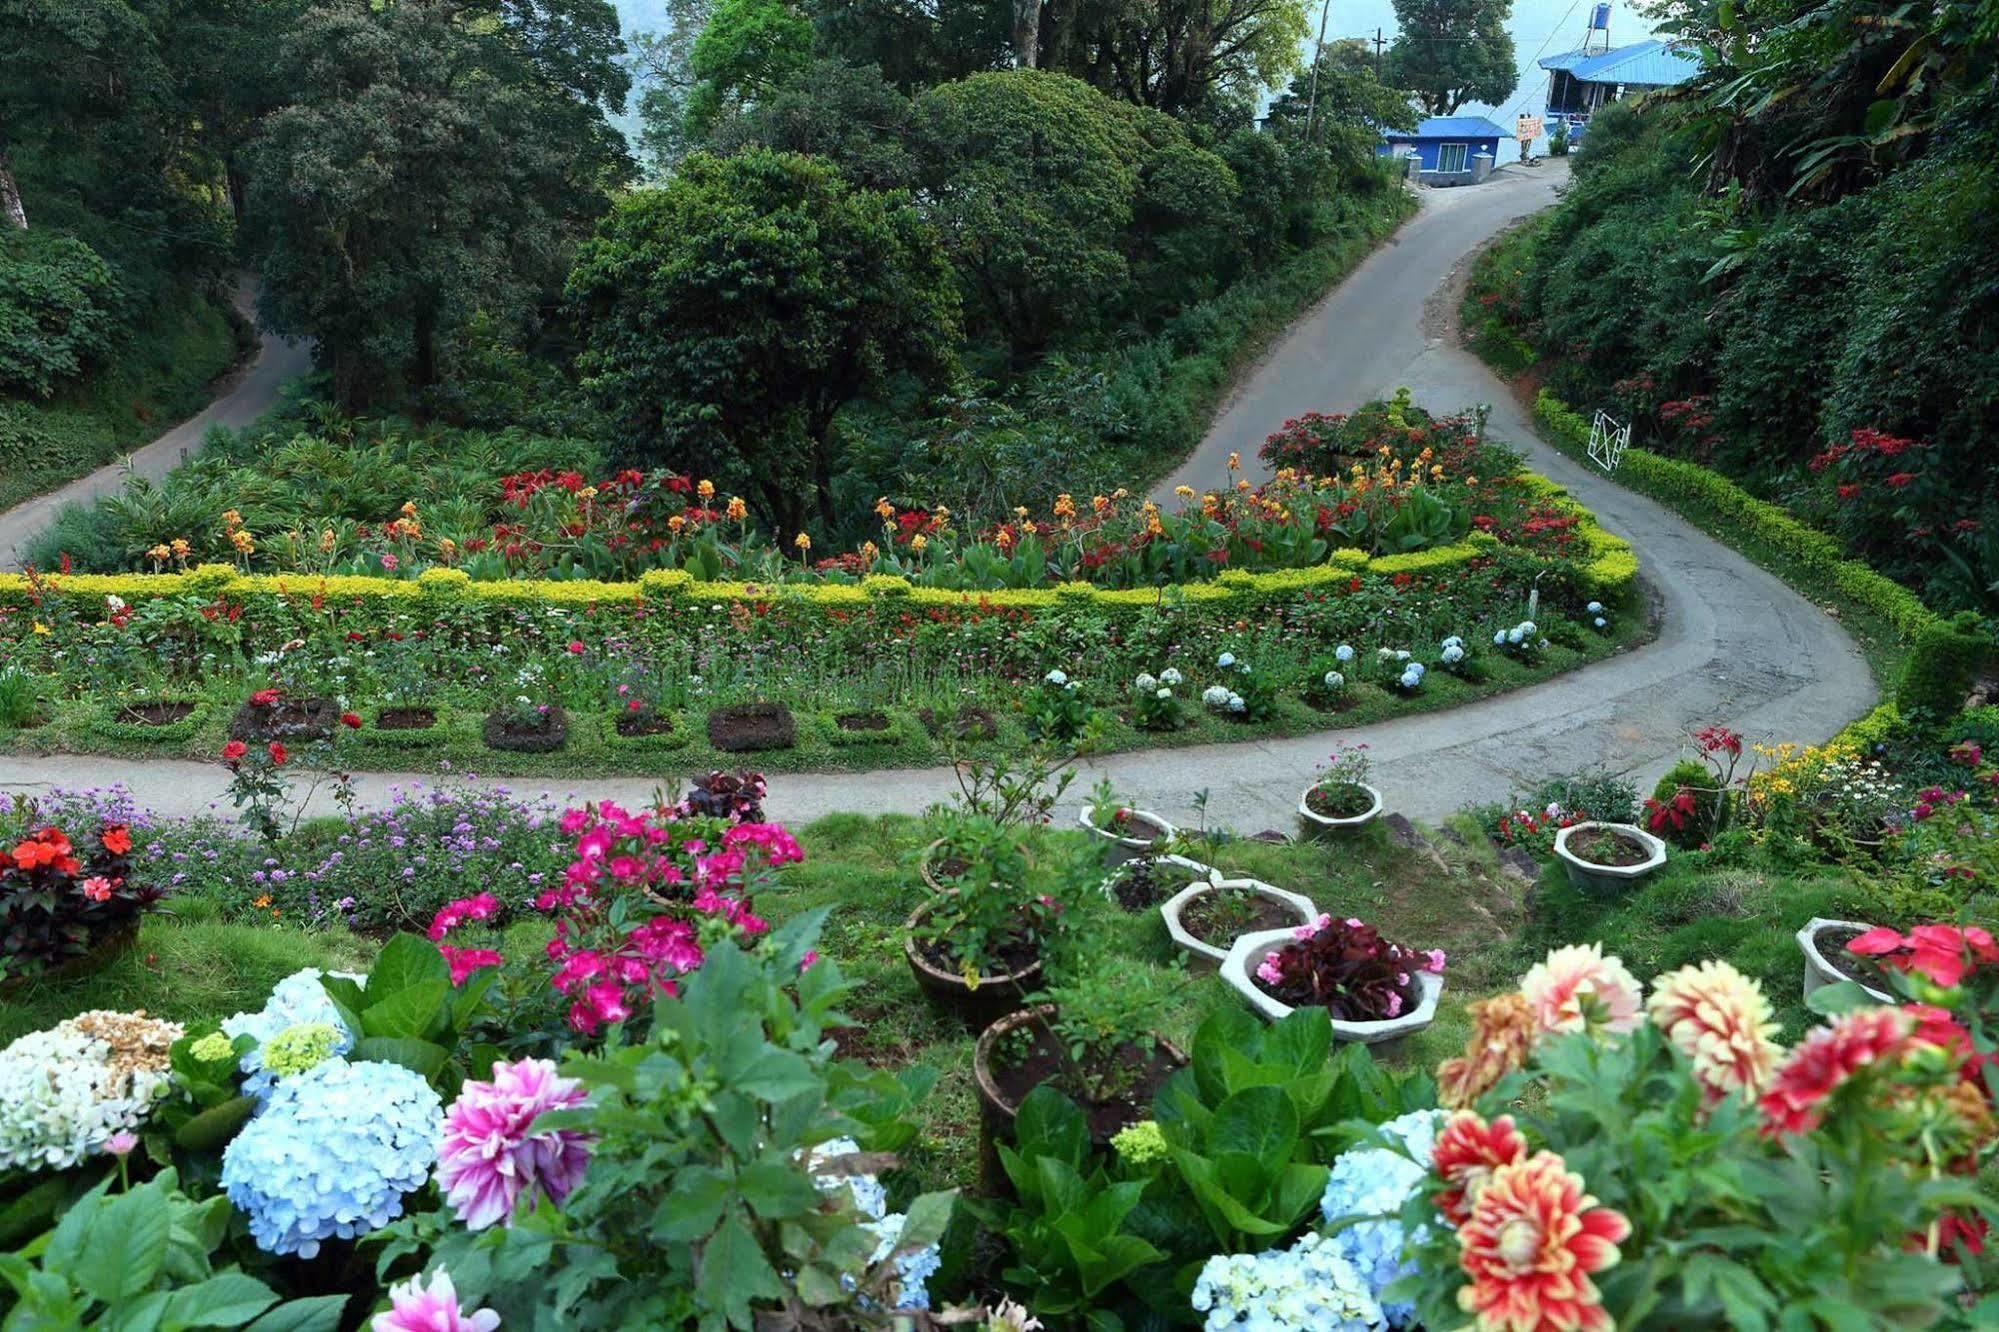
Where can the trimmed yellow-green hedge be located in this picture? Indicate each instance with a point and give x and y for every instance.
(1608, 570)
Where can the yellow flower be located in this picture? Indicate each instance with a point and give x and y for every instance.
(675, 523)
(1471, 480)
(918, 542)
(941, 514)
(1119, 493)
(884, 510)
(1242, 485)
(1184, 492)
(1065, 506)
(242, 542)
(737, 509)
(706, 490)
(587, 493)
(869, 550)
(409, 509)
(41, 628)
(1020, 512)
(1235, 462)
(1099, 503)
(802, 541)
(180, 547)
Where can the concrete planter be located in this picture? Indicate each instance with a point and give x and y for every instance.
(1171, 867)
(1204, 953)
(1819, 970)
(1242, 960)
(1594, 878)
(1319, 826)
(1124, 848)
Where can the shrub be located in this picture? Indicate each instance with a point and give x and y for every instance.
(56, 303)
(1686, 806)
(59, 901)
(1943, 665)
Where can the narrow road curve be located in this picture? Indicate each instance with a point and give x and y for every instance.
(249, 391)
(1735, 645)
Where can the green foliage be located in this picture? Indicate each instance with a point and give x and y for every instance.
(143, 1257)
(698, 1208)
(56, 299)
(748, 50)
(729, 315)
(1687, 828)
(1449, 52)
(1944, 663)
(409, 1012)
(845, 113)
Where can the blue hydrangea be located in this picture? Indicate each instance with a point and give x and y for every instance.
(1306, 1288)
(296, 1000)
(913, 1270)
(1376, 1182)
(332, 1154)
(1226, 660)
(1343, 652)
(1412, 675)
(868, 1193)
(1594, 608)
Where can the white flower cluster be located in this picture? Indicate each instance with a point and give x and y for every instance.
(1520, 635)
(1453, 651)
(913, 1270)
(1306, 1288)
(1220, 698)
(1375, 1182)
(66, 1090)
(1060, 679)
(1595, 608)
(1160, 685)
(1335, 681)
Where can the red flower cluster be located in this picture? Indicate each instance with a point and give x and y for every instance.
(1826, 1060)
(48, 849)
(1941, 954)
(264, 698)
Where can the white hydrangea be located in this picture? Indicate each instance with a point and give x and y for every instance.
(1215, 696)
(1163, 692)
(1412, 675)
(1057, 677)
(1334, 680)
(1594, 608)
(1453, 654)
(1601, 623)
(1170, 676)
(1306, 1288)
(66, 1090)
(1145, 683)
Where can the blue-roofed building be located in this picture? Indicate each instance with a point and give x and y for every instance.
(1447, 150)
(1583, 81)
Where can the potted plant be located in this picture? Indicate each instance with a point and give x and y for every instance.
(1604, 857)
(1206, 918)
(1372, 989)
(523, 725)
(1827, 961)
(1146, 881)
(1341, 800)
(1129, 831)
(976, 948)
(1094, 1038)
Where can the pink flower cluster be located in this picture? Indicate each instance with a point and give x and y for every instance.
(673, 872)
(493, 1154)
(464, 961)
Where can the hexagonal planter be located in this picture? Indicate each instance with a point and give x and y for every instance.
(1313, 825)
(1248, 951)
(1592, 877)
(1820, 971)
(1201, 951)
(1124, 848)
(1168, 867)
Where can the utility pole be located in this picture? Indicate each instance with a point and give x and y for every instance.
(1318, 54)
(1378, 44)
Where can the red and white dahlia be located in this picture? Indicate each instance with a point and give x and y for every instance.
(1529, 1247)
(1468, 1150)
(1720, 1020)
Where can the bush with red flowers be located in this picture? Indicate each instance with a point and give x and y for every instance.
(60, 901)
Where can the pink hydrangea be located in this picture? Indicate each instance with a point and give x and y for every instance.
(493, 1155)
(414, 1307)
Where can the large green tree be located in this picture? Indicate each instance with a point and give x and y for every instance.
(1179, 56)
(437, 159)
(729, 315)
(1449, 52)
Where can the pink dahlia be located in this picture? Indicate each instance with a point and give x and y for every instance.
(1719, 1019)
(413, 1307)
(1579, 989)
(1530, 1246)
(1823, 1062)
(492, 1154)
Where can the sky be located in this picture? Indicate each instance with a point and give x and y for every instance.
(1539, 27)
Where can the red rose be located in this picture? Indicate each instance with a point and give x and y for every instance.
(234, 750)
(351, 720)
(278, 755)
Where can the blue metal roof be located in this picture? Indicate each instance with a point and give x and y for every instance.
(1450, 127)
(1649, 64)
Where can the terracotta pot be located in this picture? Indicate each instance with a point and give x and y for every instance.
(1320, 826)
(1591, 877)
(1249, 950)
(997, 1113)
(993, 997)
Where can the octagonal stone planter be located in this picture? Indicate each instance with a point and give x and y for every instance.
(1819, 970)
(1124, 848)
(1204, 953)
(1319, 826)
(1248, 951)
(1591, 877)
(1174, 866)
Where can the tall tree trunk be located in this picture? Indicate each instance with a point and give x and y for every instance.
(238, 190)
(1026, 33)
(11, 210)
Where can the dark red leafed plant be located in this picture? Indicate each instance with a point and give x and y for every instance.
(59, 901)
(735, 796)
(1347, 968)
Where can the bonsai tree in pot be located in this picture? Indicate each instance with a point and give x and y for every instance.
(1341, 799)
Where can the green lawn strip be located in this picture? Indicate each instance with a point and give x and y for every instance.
(82, 726)
(161, 376)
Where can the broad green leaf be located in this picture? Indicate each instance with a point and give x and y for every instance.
(228, 1300)
(733, 1271)
(320, 1313)
(124, 1247)
(210, 1130)
(415, 1011)
(1049, 1124)
(777, 1189)
(1258, 1122)
(419, 1056)
(690, 1212)
(405, 961)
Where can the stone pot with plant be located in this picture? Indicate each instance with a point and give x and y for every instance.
(1340, 801)
(977, 948)
(1128, 831)
(1205, 919)
(1372, 989)
(1827, 961)
(1608, 857)
(1147, 881)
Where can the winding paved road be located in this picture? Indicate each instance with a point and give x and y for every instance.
(1735, 645)
(248, 392)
